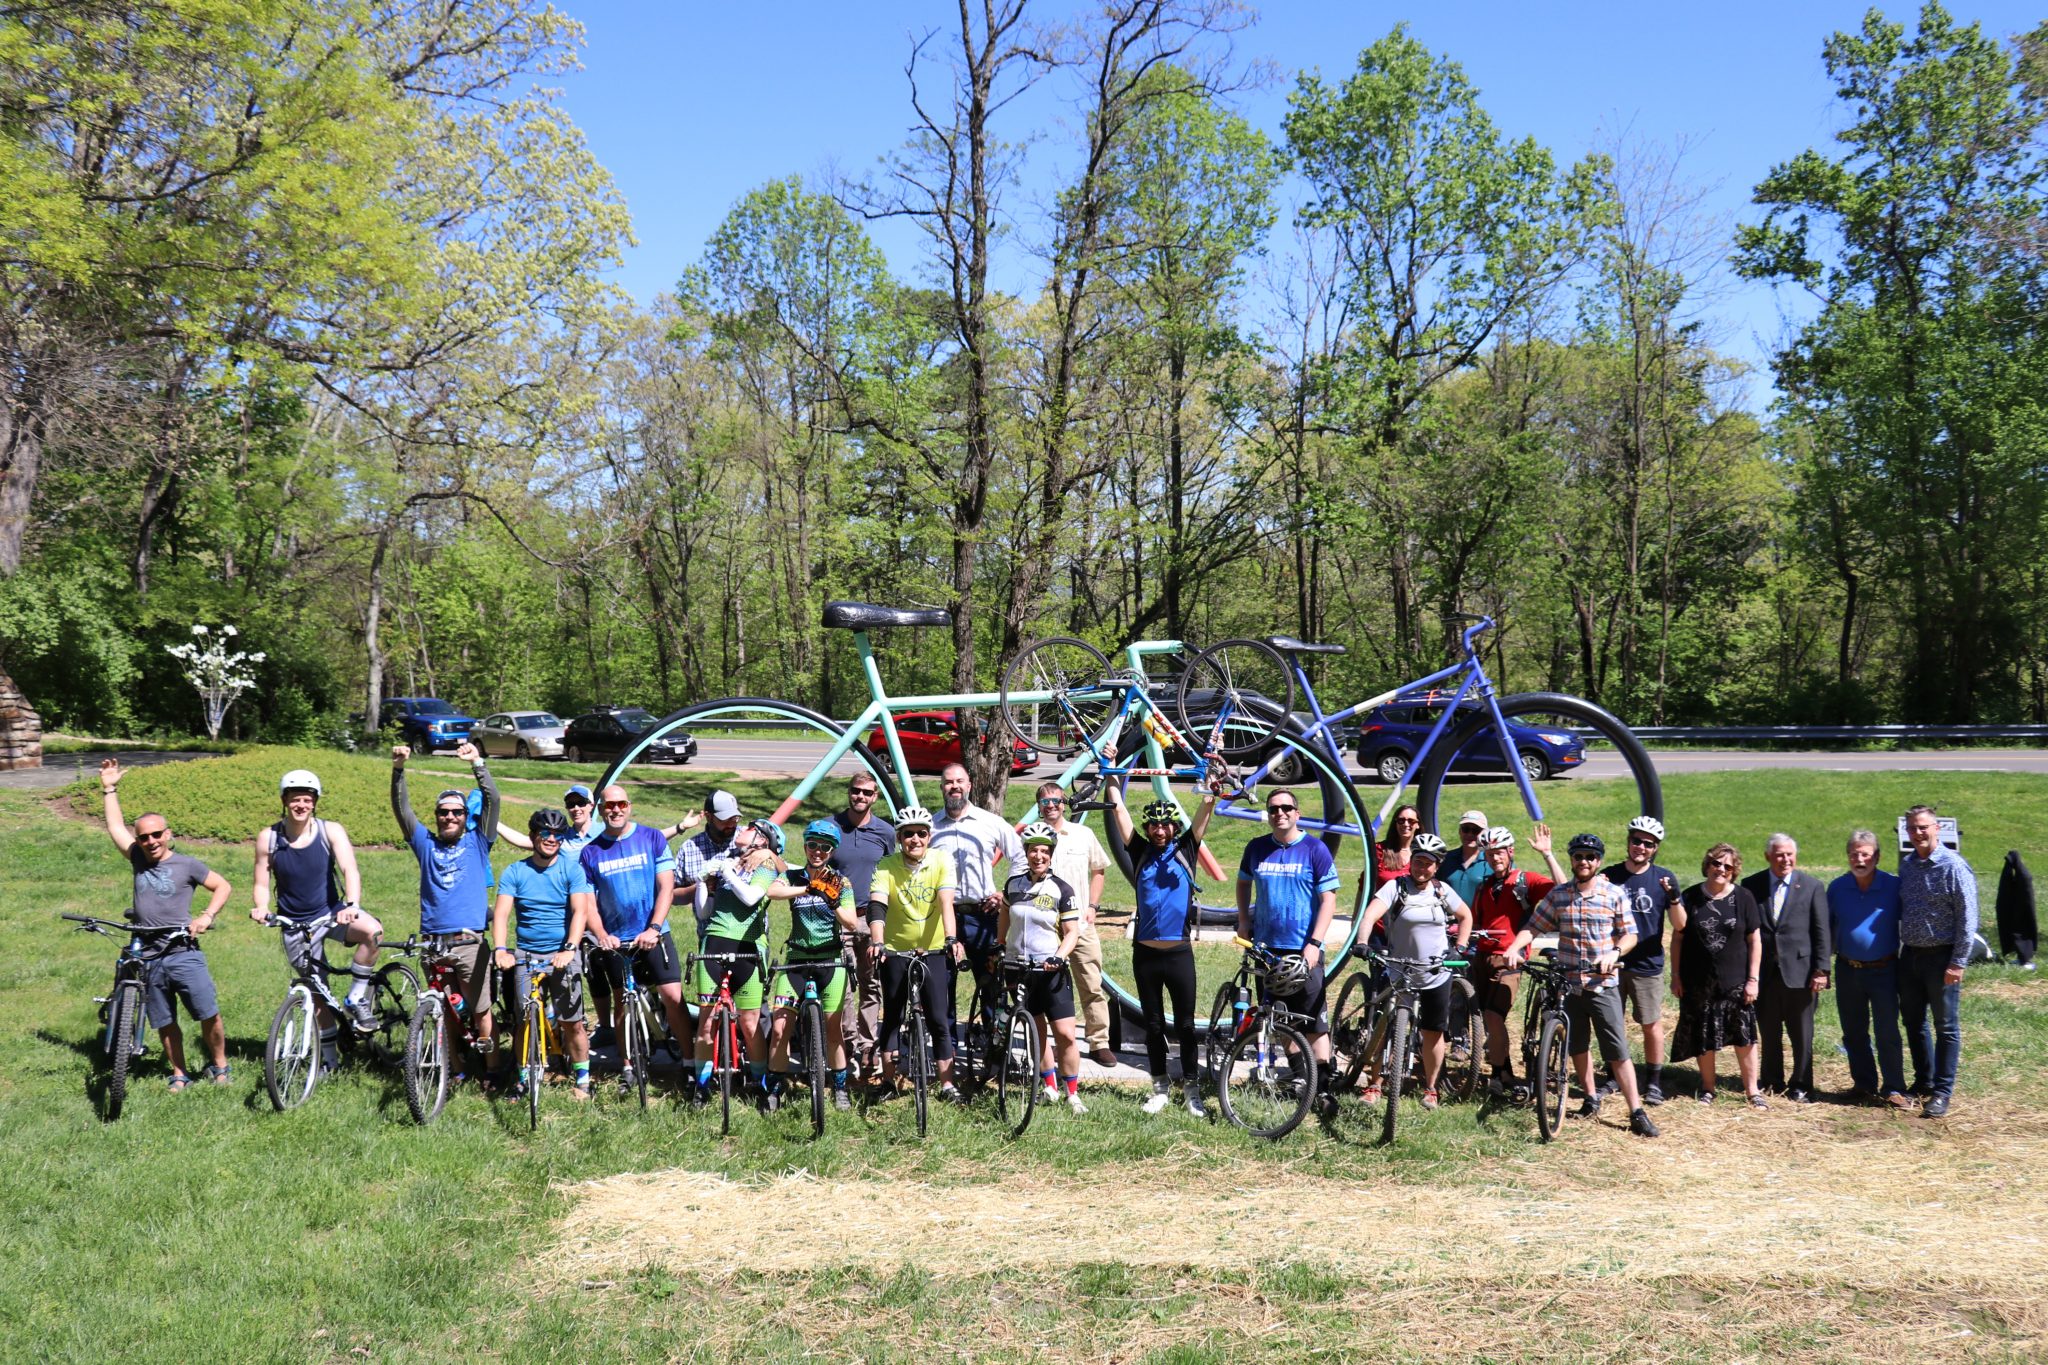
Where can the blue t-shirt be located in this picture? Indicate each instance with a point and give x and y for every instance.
(1649, 894)
(622, 873)
(455, 882)
(1866, 923)
(1165, 887)
(540, 901)
(1286, 880)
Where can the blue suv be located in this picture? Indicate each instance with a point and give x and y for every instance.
(1390, 736)
(426, 723)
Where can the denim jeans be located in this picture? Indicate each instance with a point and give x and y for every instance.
(1938, 1051)
(1868, 1000)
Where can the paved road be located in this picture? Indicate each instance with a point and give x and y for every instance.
(61, 770)
(796, 757)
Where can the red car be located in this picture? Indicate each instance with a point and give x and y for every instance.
(931, 740)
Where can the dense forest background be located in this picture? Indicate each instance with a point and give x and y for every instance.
(304, 328)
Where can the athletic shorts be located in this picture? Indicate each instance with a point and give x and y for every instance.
(1645, 995)
(174, 977)
(829, 973)
(1433, 1007)
(977, 934)
(746, 973)
(1309, 1002)
(471, 958)
(298, 942)
(1495, 991)
(562, 990)
(1050, 994)
(1597, 1012)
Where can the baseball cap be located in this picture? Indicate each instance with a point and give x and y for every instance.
(722, 805)
(578, 789)
(1473, 817)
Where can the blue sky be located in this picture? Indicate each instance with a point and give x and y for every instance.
(691, 104)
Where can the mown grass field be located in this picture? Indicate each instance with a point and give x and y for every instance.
(204, 1226)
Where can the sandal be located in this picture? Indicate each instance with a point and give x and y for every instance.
(179, 1081)
(1429, 1099)
(1756, 1100)
(219, 1075)
(1706, 1097)
(1371, 1093)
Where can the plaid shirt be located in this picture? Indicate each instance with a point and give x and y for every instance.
(1587, 923)
(697, 853)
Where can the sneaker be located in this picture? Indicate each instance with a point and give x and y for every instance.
(1589, 1109)
(330, 1058)
(1609, 1087)
(1653, 1095)
(1156, 1104)
(771, 1100)
(1897, 1099)
(1936, 1107)
(1196, 1109)
(361, 1013)
(949, 1093)
(1639, 1124)
(841, 1100)
(1706, 1097)
(1429, 1099)
(1052, 1094)
(1074, 1103)
(602, 1036)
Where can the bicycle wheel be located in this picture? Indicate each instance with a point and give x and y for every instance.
(394, 994)
(535, 1026)
(1216, 1039)
(1553, 1065)
(634, 1044)
(1248, 675)
(971, 1059)
(920, 1061)
(1463, 1053)
(1073, 674)
(1395, 1072)
(291, 1055)
(812, 1022)
(1542, 724)
(122, 1013)
(1017, 1072)
(1351, 1030)
(426, 1060)
(1278, 1082)
(725, 1047)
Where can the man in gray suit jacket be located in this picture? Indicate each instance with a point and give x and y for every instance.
(1798, 946)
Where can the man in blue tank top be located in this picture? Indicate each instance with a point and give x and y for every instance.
(319, 895)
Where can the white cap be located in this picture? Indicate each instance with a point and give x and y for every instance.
(1472, 817)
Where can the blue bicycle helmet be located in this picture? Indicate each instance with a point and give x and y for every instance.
(824, 831)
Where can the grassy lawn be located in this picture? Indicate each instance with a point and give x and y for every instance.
(204, 1226)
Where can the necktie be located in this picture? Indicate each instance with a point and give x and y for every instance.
(1777, 901)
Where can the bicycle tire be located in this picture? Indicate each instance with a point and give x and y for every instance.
(1083, 707)
(1017, 1072)
(1252, 676)
(121, 1015)
(535, 1025)
(725, 1046)
(920, 1063)
(1268, 1102)
(1553, 1067)
(1581, 714)
(634, 1017)
(970, 1072)
(783, 713)
(394, 995)
(426, 1061)
(1395, 1072)
(812, 1022)
(291, 1054)
(1351, 1030)
(1460, 1080)
(1216, 1038)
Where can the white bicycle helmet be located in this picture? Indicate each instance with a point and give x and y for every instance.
(913, 817)
(1287, 975)
(1038, 832)
(1498, 836)
(1429, 846)
(301, 778)
(1647, 824)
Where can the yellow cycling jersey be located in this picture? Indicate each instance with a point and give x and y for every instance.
(911, 918)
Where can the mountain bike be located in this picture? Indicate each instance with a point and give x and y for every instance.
(1546, 1041)
(432, 1034)
(293, 1056)
(1265, 1074)
(728, 1056)
(809, 1042)
(1395, 1037)
(639, 1014)
(1356, 1024)
(122, 1024)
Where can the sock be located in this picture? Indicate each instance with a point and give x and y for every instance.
(581, 1072)
(1072, 1083)
(1045, 1079)
(359, 981)
(781, 1080)
(1159, 1085)
(704, 1074)
(1656, 1076)
(839, 1078)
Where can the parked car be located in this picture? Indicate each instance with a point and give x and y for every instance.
(1389, 737)
(931, 740)
(520, 734)
(609, 731)
(426, 723)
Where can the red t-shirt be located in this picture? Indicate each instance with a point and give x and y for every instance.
(1503, 904)
(1385, 869)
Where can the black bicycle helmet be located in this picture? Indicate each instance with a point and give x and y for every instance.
(548, 821)
(1165, 811)
(1586, 843)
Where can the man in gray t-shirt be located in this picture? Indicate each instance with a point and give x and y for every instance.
(164, 883)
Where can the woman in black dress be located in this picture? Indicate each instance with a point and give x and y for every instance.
(1715, 956)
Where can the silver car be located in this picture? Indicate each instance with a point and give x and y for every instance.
(520, 734)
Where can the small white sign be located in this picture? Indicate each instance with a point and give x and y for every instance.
(1951, 836)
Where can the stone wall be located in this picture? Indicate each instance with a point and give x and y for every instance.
(21, 729)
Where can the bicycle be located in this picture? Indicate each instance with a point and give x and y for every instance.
(1368, 996)
(1546, 1041)
(123, 1035)
(1019, 1059)
(918, 1064)
(293, 1057)
(427, 1040)
(1393, 1038)
(638, 1014)
(809, 1043)
(536, 1039)
(1270, 1043)
(727, 1058)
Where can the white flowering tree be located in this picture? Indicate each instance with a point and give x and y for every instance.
(219, 670)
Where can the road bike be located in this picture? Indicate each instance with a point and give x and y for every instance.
(728, 1055)
(122, 1024)
(293, 1055)
(536, 1038)
(639, 1015)
(1546, 1041)
(809, 1042)
(442, 1019)
(913, 1036)
(1265, 1070)
(1017, 1063)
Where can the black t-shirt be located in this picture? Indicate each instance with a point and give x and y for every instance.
(1717, 939)
(1649, 894)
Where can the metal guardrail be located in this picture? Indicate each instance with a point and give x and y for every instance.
(1704, 734)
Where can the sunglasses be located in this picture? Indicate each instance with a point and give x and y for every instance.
(575, 805)
(1639, 841)
(1052, 800)
(1407, 820)
(456, 811)
(547, 838)
(1281, 810)
(618, 805)
(1722, 866)
(152, 833)
(913, 834)
(868, 792)
(818, 846)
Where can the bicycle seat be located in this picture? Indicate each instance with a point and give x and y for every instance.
(1287, 644)
(867, 616)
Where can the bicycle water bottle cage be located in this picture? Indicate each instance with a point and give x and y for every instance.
(1287, 644)
(867, 616)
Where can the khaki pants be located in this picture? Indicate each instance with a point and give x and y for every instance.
(860, 1025)
(1090, 999)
